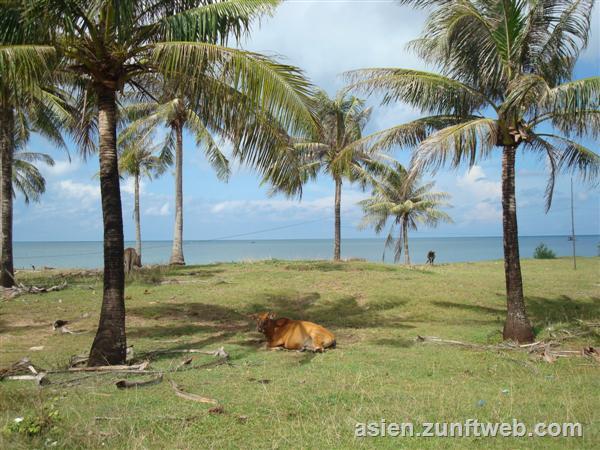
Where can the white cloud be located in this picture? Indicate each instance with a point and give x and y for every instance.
(478, 186)
(484, 212)
(477, 197)
(128, 186)
(79, 191)
(341, 36)
(285, 209)
(60, 168)
(163, 210)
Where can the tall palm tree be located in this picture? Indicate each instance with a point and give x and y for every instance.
(110, 46)
(505, 84)
(173, 108)
(27, 103)
(406, 202)
(332, 150)
(141, 158)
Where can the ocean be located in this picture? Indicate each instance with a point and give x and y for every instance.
(447, 249)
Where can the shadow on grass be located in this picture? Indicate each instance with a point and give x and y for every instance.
(8, 327)
(473, 308)
(541, 310)
(562, 309)
(344, 312)
(318, 266)
(397, 342)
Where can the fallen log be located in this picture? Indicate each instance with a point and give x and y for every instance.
(21, 367)
(116, 368)
(220, 352)
(40, 378)
(126, 384)
(193, 397)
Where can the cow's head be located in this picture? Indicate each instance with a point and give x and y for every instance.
(262, 319)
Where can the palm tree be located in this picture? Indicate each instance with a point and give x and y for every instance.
(27, 103)
(138, 159)
(505, 83)
(406, 202)
(173, 108)
(332, 150)
(110, 46)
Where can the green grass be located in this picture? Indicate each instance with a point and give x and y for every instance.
(311, 401)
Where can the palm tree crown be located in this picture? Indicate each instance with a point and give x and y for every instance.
(406, 202)
(27, 178)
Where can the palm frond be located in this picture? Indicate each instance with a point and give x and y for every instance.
(427, 91)
(465, 142)
(277, 89)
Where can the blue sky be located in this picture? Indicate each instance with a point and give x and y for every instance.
(324, 38)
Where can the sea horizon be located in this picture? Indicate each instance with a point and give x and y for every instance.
(88, 254)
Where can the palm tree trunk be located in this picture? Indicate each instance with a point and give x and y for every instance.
(6, 197)
(337, 231)
(405, 238)
(136, 214)
(177, 252)
(110, 343)
(517, 326)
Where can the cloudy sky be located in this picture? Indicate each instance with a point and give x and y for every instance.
(324, 38)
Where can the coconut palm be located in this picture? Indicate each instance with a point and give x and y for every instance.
(111, 46)
(175, 109)
(141, 158)
(404, 201)
(332, 150)
(505, 84)
(27, 103)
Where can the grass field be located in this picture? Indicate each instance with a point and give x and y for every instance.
(278, 399)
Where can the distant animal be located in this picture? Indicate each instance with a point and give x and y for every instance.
(293, 334)
(59, 324)
(132, 259)
(430, 257)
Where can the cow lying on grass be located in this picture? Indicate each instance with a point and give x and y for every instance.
(293, 334)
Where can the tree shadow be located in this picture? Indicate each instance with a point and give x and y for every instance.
(321, 266)
(187, 311)
(395, 342)
(189, 319)
(344, 312)
(466, 307)
(562, 309)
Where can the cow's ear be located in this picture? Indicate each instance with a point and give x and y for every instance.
(271, 315)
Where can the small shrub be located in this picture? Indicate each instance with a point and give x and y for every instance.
(36, 424)
(543, 252)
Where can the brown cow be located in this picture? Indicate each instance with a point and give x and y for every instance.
(293, 334)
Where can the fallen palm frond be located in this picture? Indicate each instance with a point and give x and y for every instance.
(116, 368)
(21, 367)
(193, 397)
(542, 349)
(40, 378)
(220, 352)
(24, 370)
(19, 289)
(126, 384)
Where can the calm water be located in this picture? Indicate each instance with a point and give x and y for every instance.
(454, 249)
